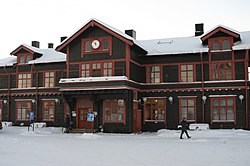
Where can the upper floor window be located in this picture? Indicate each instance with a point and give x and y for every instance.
(24, 80)
(187, 73)
(154, 74)
(97, 69)
(223, 109)
(87, 46)
(220, 43)
(216, 45)
(226, 45)
(24, 58)
(49, 79)
(96, 45)
(222, 71)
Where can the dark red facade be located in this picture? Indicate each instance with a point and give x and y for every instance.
(130, 85)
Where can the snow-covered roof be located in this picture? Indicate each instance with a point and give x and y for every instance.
(48, 56)
(10, 61)
(92, 79)
(180, 45)
(244, 43)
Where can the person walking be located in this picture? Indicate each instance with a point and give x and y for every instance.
(67, 123)
(184, 126)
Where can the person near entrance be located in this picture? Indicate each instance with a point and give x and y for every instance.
(184, 126)
(67, 123)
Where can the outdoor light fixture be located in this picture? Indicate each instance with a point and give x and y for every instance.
(171, 99)
(241, 97)
(144, 99)
(33, 101)
(5, 101)
(204, 98)
(57, 100)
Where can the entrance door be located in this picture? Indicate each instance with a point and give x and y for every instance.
(82, 118)
(84, 106)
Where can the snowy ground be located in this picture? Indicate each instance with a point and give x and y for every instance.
(50, 147)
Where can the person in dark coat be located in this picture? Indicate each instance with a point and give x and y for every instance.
(184, 127)
(67, 122)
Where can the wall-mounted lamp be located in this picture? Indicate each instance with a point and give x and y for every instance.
(204, 98)
(144, 99)
(171, 99)
(33, 101)
(241, 97)
(57, 100)
(5, 101)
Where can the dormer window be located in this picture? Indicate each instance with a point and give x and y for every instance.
(96, 45)
(216, 45)
(226, 45)
(221, 44)
(24, 58)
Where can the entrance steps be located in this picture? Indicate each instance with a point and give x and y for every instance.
(81, 131)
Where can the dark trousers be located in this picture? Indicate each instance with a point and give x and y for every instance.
(184, 131)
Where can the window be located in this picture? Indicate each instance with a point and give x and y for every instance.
(85, 70)
(107, 69)
(222, 71)
(114, 111)
(99, 69)
(187, 108)
(105, 44)
(22, 59)
(27, 59)
(24, 80)
(187, 73)
(155, 109)
(216, 45)
(100, 45)
(23, 109)
(154, 74)
(48, 110)
(49, 79)
(88, 46)
(96, 70)
(223, 109)
(226, 45)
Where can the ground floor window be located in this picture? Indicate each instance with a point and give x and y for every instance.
(23, 109)
(154, 109)
(114, 111)
(223, 109)
(48, 110)
(187, 108)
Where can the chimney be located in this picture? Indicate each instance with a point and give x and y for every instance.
(35, 44)
(131, 33)
(50, 45)
(199, 29)
(63, 38)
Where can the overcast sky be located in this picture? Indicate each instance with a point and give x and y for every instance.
(23, 21)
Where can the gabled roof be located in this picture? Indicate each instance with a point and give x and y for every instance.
(94, 22)
(221, 28)
(47, 56)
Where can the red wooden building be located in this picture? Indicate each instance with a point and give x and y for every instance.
(130, 85)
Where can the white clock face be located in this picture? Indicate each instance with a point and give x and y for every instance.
(95, 44)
